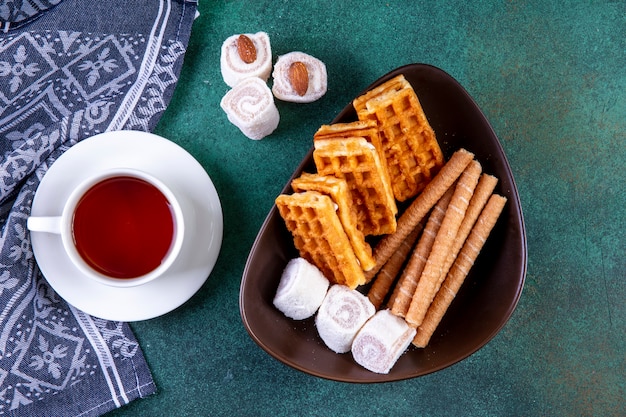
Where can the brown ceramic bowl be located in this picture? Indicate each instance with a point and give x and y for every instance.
(486, 299)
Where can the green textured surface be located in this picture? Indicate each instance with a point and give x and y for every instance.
(549, 76)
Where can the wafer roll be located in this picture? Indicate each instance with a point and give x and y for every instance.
(342, 313)
(433, 275)
(250, 106)
(418, 209)
(387, 275)
(233, 66)
(381, 342)
(403, 294)
(460, 269)
(484, 189)
(284, 89)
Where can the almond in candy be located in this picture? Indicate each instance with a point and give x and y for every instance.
(299, 78)
(246, 49)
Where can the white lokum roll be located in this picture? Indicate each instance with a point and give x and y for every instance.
(381, 342)
(250, 106)
(234, 68)
(301, 290)
(283, 88)
(341, 315)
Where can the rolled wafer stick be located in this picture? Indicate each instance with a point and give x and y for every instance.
(408, 280)
(484, 189)
(433, 274)
(460, 269)
(387, 275)
(420, 207)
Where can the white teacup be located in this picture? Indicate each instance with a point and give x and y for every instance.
(122, 227)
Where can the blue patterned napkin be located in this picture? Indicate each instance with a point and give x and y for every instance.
(16, 13)
(70, 69)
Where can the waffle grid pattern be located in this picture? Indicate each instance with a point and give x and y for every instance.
(319, 236)
(357, 162)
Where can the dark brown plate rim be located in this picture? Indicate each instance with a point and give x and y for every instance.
(485, 302)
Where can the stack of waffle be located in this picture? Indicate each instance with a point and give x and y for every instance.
(363, 168)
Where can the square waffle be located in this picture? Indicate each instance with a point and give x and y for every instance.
(319, 236)
(367, 129)
(357, 161)
(337, 190)
(408, 141)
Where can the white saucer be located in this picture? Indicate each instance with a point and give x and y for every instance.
(161, 158)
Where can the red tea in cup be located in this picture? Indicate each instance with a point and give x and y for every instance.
(123, 227)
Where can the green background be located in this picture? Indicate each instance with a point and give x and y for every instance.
(551, 78)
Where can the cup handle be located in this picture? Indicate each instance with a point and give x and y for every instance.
(44, 224)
